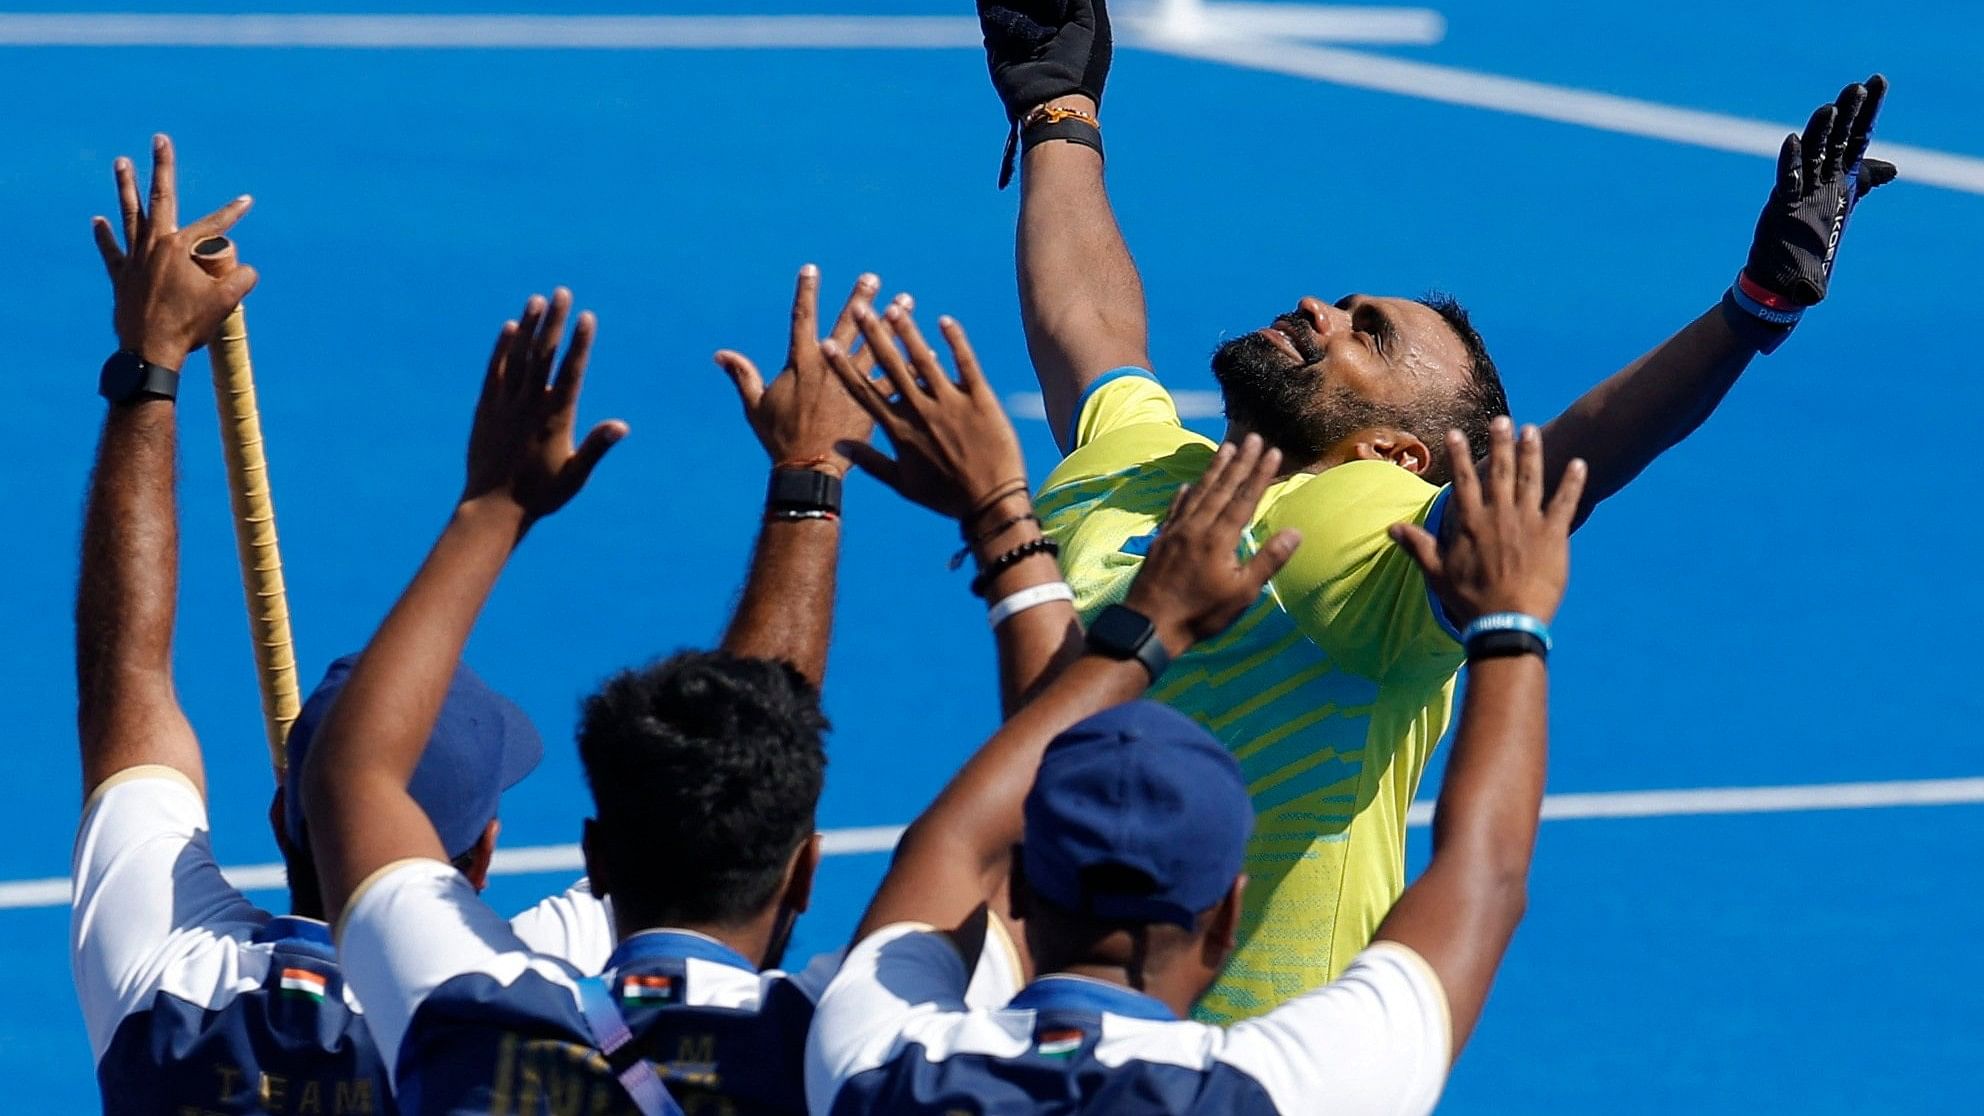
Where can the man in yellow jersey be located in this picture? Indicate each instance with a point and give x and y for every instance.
(1333, 688)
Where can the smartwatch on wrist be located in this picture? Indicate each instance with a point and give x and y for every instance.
(130, 378)
(1124, 633)
(803, 490)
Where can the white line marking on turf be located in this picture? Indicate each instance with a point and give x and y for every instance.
(1341, 23)
(1195, 36)
(1407, 26)
(481, 32)
(1602, 111)
(54, 892)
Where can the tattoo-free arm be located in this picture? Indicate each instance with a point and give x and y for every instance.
(1036, 645)
(1508, 552)
(165, 306)
(1648, 407)
(1081, 300)
(1461, 912)
(127, 713)
(355, 779)
(522, 466)
(787, 610)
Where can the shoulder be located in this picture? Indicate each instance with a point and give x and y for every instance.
(150, 912)
(900, 979)
(1377, 1039)
(421, 950)
(1125, 418)
(1356, 492)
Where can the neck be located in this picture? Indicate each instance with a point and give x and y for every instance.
(1291, 464)
(1157, 985)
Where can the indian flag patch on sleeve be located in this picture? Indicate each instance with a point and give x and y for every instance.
(1058, 1043)
(653, 988)
(303, 982)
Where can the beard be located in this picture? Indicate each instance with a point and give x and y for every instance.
(1289, 404)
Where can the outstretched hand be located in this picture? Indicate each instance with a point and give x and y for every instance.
(805, 415)
(955, 448)
(167, 305)
(1503, 549)
(1193, 585)
(520, 447)
(1821, 176)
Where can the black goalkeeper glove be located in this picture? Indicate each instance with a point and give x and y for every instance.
(1038, 50)
(1821, 176)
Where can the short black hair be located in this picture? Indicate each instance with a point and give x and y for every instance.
(1476, 404)
(706, 769)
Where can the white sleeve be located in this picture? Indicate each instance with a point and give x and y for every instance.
(894, 977)
(576, 927)
(411, 927)
(1376, 1039)
(149, 909)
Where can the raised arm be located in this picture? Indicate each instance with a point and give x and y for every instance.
(787, 608)
(1505, 561)
(1192, 586)
(127, 713)
(1637, 414)
(956, 454)
(521, 467)
(1081, 300)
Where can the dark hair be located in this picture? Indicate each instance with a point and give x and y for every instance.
(1479, 399)
(705, 769)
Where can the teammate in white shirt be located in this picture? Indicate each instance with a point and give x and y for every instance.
(1117, 832)
(196, 1000)
(705, 771)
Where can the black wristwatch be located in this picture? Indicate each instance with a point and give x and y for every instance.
(130, 378)
(1125, 633)
(803, 490)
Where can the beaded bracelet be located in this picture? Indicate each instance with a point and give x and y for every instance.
(971, 541)
(1011, 558)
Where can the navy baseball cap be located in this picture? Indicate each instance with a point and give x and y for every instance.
(481, 746)
(1138, 815)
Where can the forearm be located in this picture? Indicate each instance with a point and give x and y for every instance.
(952, 856)
(1637, 414)
(355, 782)
(1460, 914)
(787, 608)
(126, 595)
(1081, 301)
(1035, 645)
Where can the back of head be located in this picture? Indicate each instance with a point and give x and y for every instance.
(706, 770)
(481, 745)
(1136, 832)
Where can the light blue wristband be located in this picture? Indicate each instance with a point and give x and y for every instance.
(1506, 622)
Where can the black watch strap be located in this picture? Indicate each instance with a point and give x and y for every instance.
(129, 378)
(803, 490)
(1120, 632)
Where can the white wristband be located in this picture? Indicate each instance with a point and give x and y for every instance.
(1027, 598)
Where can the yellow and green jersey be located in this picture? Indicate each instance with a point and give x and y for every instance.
(1331, 690)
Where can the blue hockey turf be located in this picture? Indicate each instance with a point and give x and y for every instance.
(1780, 602)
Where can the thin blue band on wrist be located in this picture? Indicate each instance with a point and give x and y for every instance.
(1507, 622)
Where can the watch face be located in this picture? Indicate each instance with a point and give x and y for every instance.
(1119, 629)
(121, 375)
